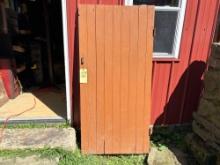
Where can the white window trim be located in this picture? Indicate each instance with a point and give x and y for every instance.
(66, 60)
(179, 27)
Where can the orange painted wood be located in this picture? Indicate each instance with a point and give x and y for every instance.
(125, 45)
(116, 44)
(91, 66)
(132, 70)
(148, 73)
(116, 72)
(100, 51)
(107, 38)
(83, 49)
(142, 48)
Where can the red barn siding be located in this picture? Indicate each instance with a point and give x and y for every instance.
(159, 91)
(171, 111)
(200, 51)
(184, 87)
(177, 84)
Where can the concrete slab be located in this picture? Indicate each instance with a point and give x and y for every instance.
(49, 104)
(37, 138)
(33, 160)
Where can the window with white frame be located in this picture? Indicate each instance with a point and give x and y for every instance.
(169, 18)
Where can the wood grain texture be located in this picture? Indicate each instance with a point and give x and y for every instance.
(116, 61)
(100, 50)
(200, 53)
(148, 74)
(142, 47)
(132, 85)
(107, 38)
(83, 49)
(125, 48)
(118, 93)
(91, 67)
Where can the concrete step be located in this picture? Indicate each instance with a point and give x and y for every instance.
(38, 138)
(33, 160)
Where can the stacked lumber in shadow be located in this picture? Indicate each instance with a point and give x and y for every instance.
(205, 141)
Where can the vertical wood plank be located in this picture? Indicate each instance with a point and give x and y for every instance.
(116, 60)
(100, 33)
(191, 98)
(108, 78)
(132, 80)
(203, 16)
(179, 68)
(125, 44)
(91, 58)
(148, 75)
(209, 29)
(140, 126)
(83, 36)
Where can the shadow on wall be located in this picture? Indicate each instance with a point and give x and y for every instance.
(76, 85)
(185, 97)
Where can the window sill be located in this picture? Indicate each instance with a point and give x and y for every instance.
(156, 59)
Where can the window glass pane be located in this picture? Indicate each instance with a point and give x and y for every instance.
(165, 24)
(173, 3)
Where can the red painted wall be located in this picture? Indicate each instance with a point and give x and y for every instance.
(177, 84)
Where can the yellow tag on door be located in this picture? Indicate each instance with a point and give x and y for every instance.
(83, 76)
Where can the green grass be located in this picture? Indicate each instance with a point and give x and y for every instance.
(170, 137)
(76, 158)
(162, 137)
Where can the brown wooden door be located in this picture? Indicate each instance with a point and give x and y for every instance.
(115, 45)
